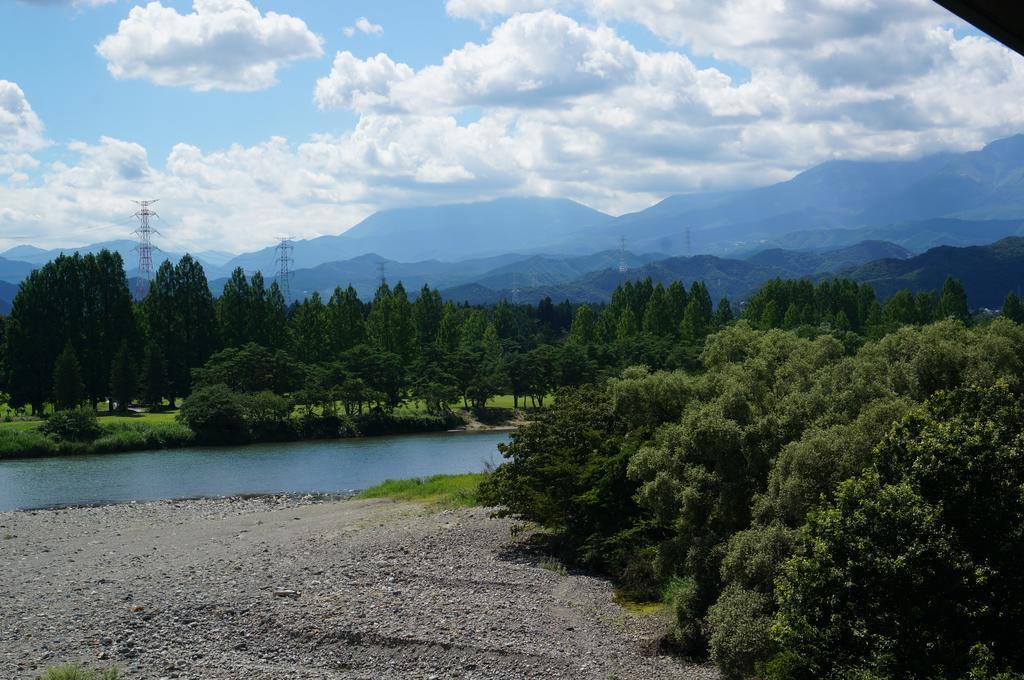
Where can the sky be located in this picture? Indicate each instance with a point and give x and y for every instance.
(254, 120)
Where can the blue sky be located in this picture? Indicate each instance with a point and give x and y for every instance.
(253, 118)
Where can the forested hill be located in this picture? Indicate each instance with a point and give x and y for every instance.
(987, 272)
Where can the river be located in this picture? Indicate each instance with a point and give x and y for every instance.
(334, 466)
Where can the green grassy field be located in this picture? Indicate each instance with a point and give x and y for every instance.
(454, 491)
(105, 419)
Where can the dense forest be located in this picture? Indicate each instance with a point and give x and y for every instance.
(821, 484)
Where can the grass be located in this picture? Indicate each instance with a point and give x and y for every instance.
(637, 607)
(161, 417)
(124, 434)
(553, 564)
(452, 491)
(76, 672)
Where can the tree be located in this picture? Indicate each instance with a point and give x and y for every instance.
(915, 567)
(693, 329)
(345, 320)
(235, 310)
(1013, 309)
(123, 383)
(153, 378)
(583, 331)
(215, 414)
(953, 301)
(68, 389)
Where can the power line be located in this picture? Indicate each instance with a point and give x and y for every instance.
(145, 247)
(284, 264)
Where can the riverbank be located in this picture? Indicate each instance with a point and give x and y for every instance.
(122, 434)
(297, 587)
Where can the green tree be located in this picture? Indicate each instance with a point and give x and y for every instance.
(123, 382)
(953, 301)
(235, 310)
(583, 331)
(1013, 309)
(68, 388)
(693, 329)
(215, 413)
(153, 378)
(915, 567)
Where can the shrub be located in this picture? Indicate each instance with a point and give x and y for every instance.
(140, 436)
(24, 443)
(74, 425)
(215, 414)
(376, 423)
(76, 672)
(269, 415)
(739, 631)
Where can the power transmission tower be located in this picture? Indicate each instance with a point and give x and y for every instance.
(381, 266)
(622, 255)
(284, 264)
(515, 288)
(145, 247)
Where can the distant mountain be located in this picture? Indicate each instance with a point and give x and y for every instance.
(803, 263)
(987, 272)
(447, 232)
(724, 277)
(14, 271)
(7, 292)
(512, 271)
(916, 237)
(38, 256)
(975, 186)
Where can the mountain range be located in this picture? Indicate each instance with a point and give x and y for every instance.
(836, 216)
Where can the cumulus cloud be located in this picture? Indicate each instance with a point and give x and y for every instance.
(21, 130)
(220, 45)
(364, 25)
(547, 104)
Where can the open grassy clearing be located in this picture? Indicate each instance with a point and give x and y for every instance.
(452, 491)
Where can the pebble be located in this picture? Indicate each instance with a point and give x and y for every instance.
(214, 589)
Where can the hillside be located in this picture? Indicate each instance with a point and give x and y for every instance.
(803, 263)
(447, 232)
(974, 186)
(987, 272)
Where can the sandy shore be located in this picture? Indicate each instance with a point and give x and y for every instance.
(381, 590)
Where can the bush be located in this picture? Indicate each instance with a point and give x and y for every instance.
(76, 672)
(269, 415)
(376, 423)
(141, 436)
(215, 414)
(74, 425)
(25, 443)
(739, 631)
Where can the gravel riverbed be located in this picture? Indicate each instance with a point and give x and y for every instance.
(301, 587)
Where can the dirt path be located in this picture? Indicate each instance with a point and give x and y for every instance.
(384, 590)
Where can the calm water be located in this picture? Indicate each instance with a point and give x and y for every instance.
(298, 467)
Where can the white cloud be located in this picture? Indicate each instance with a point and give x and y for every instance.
(364, 25)
(551, 105)
(21, 131)
(220, 45)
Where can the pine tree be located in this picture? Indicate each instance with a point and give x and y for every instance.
(153, 381)
(953, 301)
(792, 318)
(582, 330)
(692, 327)
(627, 326)
(657, 320)
(235, 310)
(723, 314)
(68, 389)
(1013, 309)
(123, 378)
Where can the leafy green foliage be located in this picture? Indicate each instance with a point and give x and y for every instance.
(214, 413)
(76, 672)
(75, 425)
(68, 388)
(916, 564)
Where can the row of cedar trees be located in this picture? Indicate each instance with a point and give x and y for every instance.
(75, 335)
